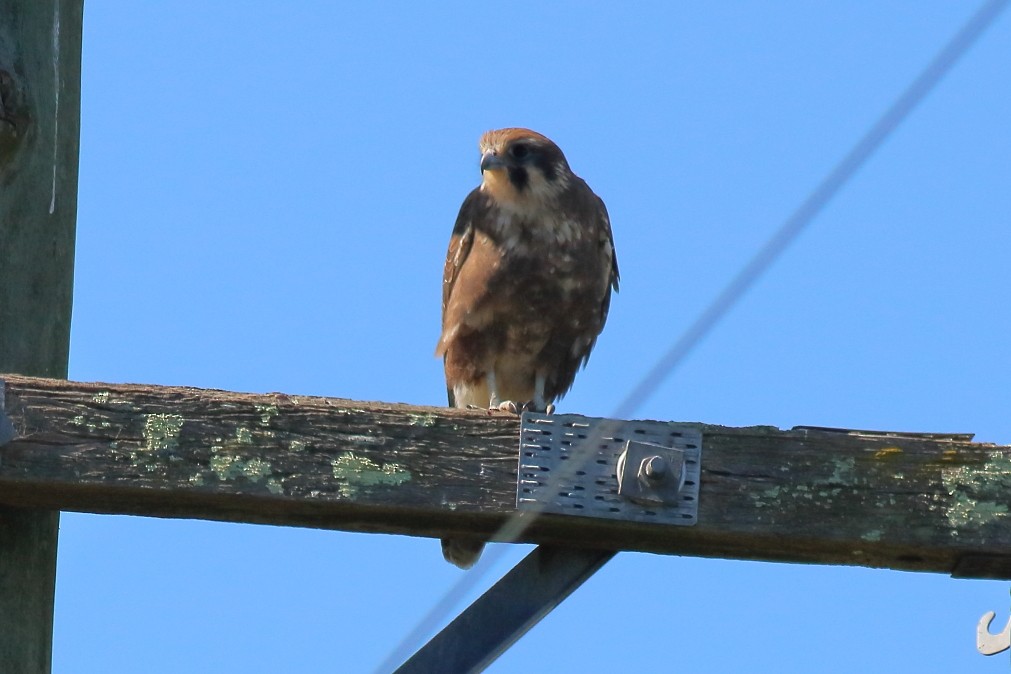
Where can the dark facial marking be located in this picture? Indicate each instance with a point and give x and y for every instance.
(523, 155)
(518, 177)
(545, 164)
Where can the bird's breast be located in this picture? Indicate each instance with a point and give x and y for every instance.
(523, 227)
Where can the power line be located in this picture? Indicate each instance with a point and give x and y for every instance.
(758, 265)
(825, 191)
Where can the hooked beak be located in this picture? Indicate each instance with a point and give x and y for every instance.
(491, 162)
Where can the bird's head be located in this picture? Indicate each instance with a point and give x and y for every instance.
(521, 167)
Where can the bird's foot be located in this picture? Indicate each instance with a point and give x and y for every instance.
(512, 407)
(507, 406)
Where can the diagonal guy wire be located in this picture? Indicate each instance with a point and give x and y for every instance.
(781, 239)
(828, 188)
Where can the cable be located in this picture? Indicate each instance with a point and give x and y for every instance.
(828, 188)
(786, 234)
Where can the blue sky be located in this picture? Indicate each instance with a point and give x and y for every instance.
(266, 193)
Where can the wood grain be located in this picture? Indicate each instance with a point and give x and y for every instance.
(904, 501)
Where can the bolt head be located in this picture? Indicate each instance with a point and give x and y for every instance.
(654, 468)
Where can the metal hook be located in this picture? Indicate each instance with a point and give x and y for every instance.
(991, 644)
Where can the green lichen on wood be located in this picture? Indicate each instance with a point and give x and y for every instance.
(161, 440)
(818, 491)
(81, 422)
(978, 493)
(105, 399)
(91, 424)
(228, 464)
(229, 467)
(256, 469)
(843, 472)
(424, 420)
(161, 432)
(267, 412)
(356, 472)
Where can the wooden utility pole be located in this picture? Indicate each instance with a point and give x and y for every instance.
(40, 84)
(918, 502)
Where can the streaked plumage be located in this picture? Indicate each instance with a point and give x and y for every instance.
(527, 282)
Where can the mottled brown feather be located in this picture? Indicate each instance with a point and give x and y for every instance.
(528, 278)
(527, 283)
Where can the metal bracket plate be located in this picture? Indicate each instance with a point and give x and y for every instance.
(568, 465)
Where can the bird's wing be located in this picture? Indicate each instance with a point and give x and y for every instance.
(471, 261)
(607, 263)
(459, 248)
(609, 258)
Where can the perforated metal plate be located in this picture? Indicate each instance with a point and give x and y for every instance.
(567, 467)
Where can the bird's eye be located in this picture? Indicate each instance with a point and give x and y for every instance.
(519, 151)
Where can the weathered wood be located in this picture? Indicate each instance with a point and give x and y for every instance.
(40, 87)
(903, 501)
(40, 56)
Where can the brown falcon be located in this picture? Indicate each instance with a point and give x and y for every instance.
(526, 286)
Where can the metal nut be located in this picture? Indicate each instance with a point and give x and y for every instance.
(653, 469)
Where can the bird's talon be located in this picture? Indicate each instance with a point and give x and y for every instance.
(532, 406)
(507, 406)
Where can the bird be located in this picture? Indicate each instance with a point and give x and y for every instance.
(526, 286)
